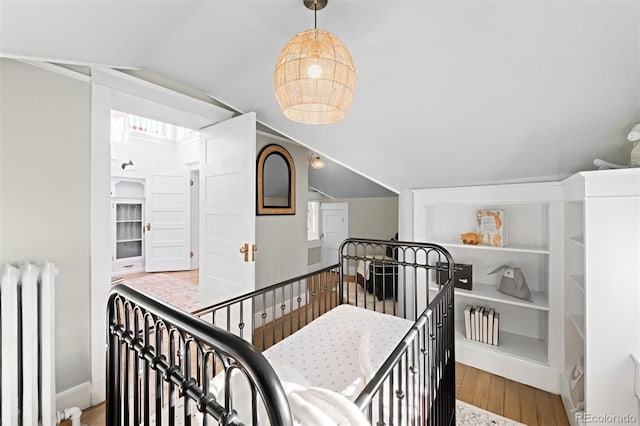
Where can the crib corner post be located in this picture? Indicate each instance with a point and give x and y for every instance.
(112, 414)
(341, 284)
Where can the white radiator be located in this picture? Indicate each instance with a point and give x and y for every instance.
(27, 368)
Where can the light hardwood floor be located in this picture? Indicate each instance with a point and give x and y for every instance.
(502, 396)
(493, 393)
(507, 398)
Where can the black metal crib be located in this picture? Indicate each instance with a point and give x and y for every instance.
(161, 362)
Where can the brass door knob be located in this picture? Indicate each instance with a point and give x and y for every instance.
(254, 249)
(245, 250)
(148, 227)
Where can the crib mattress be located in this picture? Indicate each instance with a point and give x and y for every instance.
(326, 352)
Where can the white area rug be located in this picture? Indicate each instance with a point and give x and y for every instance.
(467, 414)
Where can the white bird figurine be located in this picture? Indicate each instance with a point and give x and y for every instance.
(634, 134)
(634, 137)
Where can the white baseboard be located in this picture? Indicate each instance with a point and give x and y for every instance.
(315, 267)
(77, 396)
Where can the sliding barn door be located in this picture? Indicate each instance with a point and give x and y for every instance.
(167, 230)
(227, 206)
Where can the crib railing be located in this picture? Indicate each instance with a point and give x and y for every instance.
(161, 362)
(416, 384)
(278, 310)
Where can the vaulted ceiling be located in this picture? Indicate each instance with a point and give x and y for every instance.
(448, 93)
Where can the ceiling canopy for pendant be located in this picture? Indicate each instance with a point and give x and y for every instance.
(315, 77)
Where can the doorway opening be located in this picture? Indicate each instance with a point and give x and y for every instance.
(154, 207)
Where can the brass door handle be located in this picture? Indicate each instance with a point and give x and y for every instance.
(148, 227)
(254, 249)
(245, 250)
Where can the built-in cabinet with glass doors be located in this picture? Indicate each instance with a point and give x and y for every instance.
(127, 228)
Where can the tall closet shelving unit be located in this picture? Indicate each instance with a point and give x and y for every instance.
(127, 225)
(530, 349)
(602, 292)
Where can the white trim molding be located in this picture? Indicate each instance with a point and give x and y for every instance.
(315, 267)
(57, 69)
(166, 102)
(77, 396)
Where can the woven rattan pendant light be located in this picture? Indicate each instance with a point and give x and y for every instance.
(315, 78)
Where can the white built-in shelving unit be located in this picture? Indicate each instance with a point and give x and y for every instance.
(578, 244)
(530, 349)
(602, 292)
(127, 225)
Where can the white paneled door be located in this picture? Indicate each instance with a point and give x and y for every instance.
(335, 229)
(227, 209)
(167, 232)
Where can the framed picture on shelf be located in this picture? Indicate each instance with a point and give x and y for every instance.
(491, 227)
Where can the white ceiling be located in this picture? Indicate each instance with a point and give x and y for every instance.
(337, 181)
(449, 93)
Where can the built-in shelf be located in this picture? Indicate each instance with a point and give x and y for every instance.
(512, 344)
(578, 321)
(578, 240)
(578, 281)
(539, 300)
(518, 248)
(129, 240)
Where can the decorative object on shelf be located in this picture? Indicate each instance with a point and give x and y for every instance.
(316, 162)
(481, 324)
(490, 225)
(462, 275)
(634, 137)
(512, 282)
(276, 182)
(470, 238)
(576, 384)
(604, 165)
(315, 77)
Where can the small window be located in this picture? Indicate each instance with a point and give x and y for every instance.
(313, 221)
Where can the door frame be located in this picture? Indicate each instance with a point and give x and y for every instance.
(194, 194)
(332, 206)
(112, 89)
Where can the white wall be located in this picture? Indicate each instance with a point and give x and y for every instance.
(147, 157)
(44, 194)
(371, 218)
(151, 154)
(282, 240)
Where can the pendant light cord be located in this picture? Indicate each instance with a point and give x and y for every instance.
(315, 15)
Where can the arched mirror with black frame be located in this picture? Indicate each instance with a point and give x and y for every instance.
(276, 186)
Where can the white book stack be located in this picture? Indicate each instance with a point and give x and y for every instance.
(481, 324)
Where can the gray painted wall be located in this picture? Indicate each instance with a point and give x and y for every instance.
(44, 194)
(373, 218)
(282, 240)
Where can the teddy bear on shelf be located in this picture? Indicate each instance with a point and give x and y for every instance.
(634, 137)
(470, 238)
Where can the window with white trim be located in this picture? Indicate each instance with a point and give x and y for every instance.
(313, 220)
